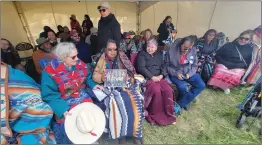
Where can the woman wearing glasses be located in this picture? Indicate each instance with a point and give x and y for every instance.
(63, 86)
(206, 51)
(123, 105)
(232, 60)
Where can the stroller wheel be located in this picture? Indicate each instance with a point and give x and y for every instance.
(241, 120)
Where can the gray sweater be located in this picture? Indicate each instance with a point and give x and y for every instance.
(173, 62)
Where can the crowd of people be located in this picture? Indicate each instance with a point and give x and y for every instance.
(72, 64)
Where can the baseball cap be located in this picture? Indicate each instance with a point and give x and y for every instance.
(105, 5)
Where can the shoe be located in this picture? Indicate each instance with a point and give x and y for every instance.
(186, 107)
(122, 141)
(137, 141)
(227, 91)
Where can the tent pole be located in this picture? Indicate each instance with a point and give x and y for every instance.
(212, 15)
(138, 18)
(24, 22)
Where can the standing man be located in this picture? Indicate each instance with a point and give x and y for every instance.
(108, 27)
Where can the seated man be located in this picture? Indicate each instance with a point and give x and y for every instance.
(44, 52)
(83, 49)
(25, 118)
(182, 66)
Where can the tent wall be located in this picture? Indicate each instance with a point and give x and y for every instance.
(11, 26)
(196, 17)
(39, 14)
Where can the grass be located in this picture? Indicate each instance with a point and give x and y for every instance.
(211, 120)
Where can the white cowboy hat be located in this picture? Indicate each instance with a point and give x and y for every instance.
(86, 123)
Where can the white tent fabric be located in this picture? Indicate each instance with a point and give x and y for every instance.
(190, 17)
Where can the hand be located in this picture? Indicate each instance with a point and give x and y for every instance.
(67, 113)
(168, 29)
(187, 76)
(180, 76)
(155, 79)
(98, 87)
(160, 77)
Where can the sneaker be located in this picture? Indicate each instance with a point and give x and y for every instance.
(227, 91)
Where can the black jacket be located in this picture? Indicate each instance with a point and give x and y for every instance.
(163, 32)
(108, 28)
(150, 66)
(10, 58)
(228, 55)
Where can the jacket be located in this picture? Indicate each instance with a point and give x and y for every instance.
(150, 66)
(229, 56)
(84, 51)
(163, 32)
(108, 28)
(173, 62)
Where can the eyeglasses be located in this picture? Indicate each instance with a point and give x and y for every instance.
(102, 10)
(244, 38)
(73, 57)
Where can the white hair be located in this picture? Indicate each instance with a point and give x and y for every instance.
(153, 41)
(63, 50)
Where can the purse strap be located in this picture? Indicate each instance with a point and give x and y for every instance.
(240, 56)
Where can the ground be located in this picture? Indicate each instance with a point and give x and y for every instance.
(211, 120)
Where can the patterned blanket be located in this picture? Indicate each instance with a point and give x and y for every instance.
(25, 118)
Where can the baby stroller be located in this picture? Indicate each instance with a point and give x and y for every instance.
(251, 106)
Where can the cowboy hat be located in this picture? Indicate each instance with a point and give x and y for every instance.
(86, 123)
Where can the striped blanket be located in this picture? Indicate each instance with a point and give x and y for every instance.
(25, 118)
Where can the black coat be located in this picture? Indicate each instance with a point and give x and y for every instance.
(108, 28)
(150, 66)
(10, 58)
(163, 32)
(229, 57)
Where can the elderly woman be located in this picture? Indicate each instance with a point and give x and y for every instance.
(254, 70)
(147, 35)
(63, 86)
(25, 118)
(9, 55)
(124, 107)
(206, 51)
(232, 60)
(159, 98)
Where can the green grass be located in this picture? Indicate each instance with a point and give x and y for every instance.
(211, 120)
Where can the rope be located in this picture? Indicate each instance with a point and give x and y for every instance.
(212, 15)
(177, 14)
(53, 12)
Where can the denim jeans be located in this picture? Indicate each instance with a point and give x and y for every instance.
(186, 97)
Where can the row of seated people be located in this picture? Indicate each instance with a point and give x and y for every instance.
(62, 77)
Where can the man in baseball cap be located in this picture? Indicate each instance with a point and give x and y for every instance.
(108, 27)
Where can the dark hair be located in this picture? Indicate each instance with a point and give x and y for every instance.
(87, 16)
(46, 28)
(208, 32)
(51, 31)
(167, 17)
(11, 46)
(191, 39)
(144, 34)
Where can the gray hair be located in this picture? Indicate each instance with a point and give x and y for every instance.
(153, 41)
(63, 50)
(109, 41)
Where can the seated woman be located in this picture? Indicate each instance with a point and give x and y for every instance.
(232, 60)
(128, 45)
(25, 118)
(52, 38)
(147, 35)
(123, 106)
(159, 98)
(63, 86)
(206, 51)
(254, 70)
(9, 55)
